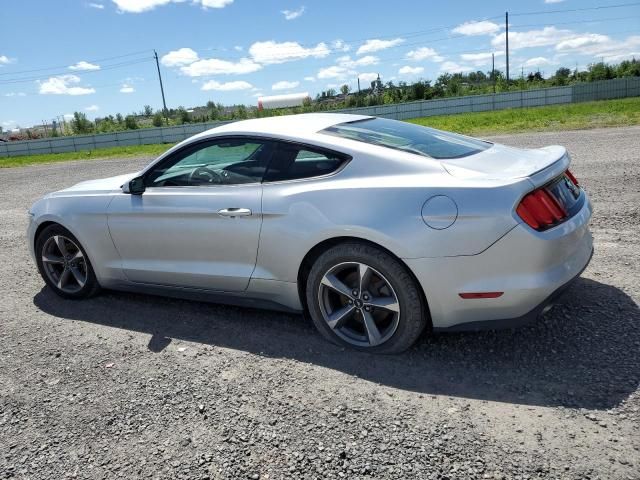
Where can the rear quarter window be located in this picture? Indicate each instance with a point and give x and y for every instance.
(293, 162)
(408, 137)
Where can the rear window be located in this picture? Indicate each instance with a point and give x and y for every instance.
(408, 137)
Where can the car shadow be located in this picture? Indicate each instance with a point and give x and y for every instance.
(584, 353)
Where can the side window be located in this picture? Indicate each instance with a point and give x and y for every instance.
(219, 162)
(291, 162)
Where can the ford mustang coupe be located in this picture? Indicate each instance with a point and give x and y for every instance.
(378, 229)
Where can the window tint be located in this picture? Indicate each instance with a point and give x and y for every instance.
(222, 162)
(408, 137)
(292, 162)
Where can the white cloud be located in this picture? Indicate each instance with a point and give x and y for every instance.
(180, 57)
(92, 108)
(82, 66)
(347, 62)
(483, 27)
(226, 87)
(126, 88)
(310, 78)
(99, 6)
(602, 47)
(533, 38)
(453, 67)
(292, 14)
(375, 45)
(340, 46)
(68, 116)
(553, 1)
(271, 52)
(583, 41)
(334, 71)
(424, 53)
(4, 60)
(564, 41)
(407, 70)
(15, 94)
(138, 6)
(63, 85)
(215, 3)
(238, 48)
(215, 66)
(346, 67)
(284, 85)
(537, 62)
(480, 59)
(368, 77)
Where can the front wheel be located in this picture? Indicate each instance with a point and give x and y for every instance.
(63, 264)
(360, 296)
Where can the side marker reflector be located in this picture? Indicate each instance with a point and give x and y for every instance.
(471, 295)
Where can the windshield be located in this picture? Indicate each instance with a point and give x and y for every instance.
(408, 137)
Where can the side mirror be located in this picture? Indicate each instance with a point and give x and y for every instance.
(134, 186)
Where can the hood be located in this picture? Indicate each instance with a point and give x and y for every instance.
(504, 163)
(101, 185)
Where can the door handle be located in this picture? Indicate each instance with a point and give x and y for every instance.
(234, 212)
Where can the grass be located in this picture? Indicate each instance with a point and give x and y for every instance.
(605, 113)
(575, 116)
(101, 153)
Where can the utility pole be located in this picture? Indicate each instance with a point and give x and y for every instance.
(493, 71)
(507, 49)
(358, 84)
(164, 103)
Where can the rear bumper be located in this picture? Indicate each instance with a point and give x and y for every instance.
(521, 321)
(530, 267)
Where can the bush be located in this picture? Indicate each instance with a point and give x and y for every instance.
(157, 120)
(130, 122)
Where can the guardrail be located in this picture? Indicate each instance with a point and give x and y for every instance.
(581, 92)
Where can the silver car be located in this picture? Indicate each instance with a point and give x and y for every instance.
(378, 229)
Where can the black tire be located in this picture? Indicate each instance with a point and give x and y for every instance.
(413, 316)
(91, 285)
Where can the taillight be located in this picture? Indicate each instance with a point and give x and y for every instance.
(541, 210)
(572, 178)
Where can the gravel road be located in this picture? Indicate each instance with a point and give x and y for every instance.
(132, 386)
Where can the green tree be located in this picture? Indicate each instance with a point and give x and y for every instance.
(80, 124)
(130, 122)
(148, 111)
(183, 116)
(345, 89)
(157, 120)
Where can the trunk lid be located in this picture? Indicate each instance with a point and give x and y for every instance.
(507, 163)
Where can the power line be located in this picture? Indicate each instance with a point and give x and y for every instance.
(85, 72)
(575, 22)
(568, 10)
(67, 66)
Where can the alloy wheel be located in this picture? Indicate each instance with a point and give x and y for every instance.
(359, 304)
(64, 264)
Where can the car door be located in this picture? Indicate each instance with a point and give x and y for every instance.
(197, 224)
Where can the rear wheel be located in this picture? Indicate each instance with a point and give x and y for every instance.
(63, 263)
(360, 296)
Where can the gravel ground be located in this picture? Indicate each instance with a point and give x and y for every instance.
(134, 386)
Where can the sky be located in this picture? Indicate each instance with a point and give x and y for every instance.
(96, 56)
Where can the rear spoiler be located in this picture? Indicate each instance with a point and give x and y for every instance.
(554, 170)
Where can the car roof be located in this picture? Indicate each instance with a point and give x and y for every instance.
(302, 125)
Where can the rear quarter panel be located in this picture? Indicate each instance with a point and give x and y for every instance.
(384, 209)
